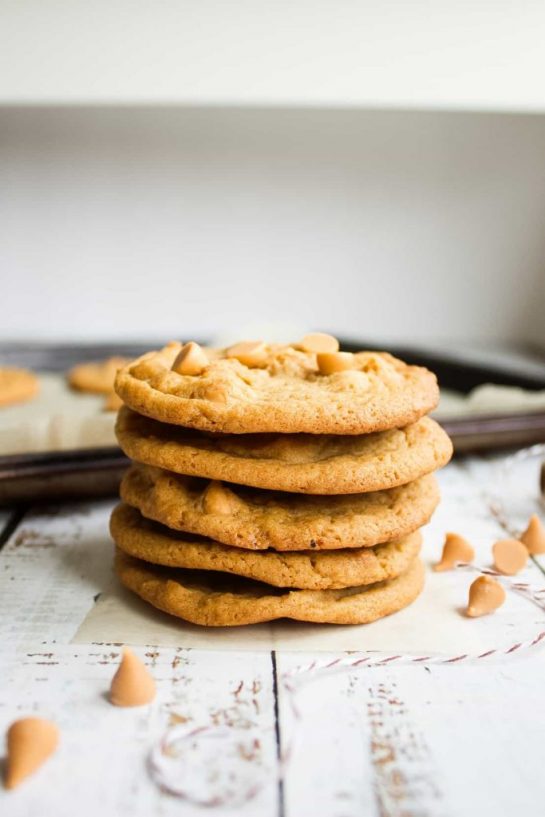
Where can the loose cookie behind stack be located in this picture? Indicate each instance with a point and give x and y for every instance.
(275, 481)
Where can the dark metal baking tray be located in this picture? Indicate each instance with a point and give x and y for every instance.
(97, 471)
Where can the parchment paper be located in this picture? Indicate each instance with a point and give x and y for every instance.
(57, 419)
(433, 624)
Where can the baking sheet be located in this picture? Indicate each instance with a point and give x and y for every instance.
(61, 419)
(57, 419)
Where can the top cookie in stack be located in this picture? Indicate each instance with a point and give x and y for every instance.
(328, 459)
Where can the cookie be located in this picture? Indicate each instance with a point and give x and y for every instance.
(112, 402)
(150, 542)
(255, 519)
(255, 388)
(17, 385)
(96, 377)
(300, 463)
(217, 600)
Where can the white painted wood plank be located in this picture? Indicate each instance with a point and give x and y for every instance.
(52, 567)
(426, 741)
(101, 765)
(389, 741)
(458, 740)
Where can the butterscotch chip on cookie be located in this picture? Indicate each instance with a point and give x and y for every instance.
(221, 600)
(255, 519)
(325, 570)
(17, 385)
(300, 463)
(279, 388)
(96, 377)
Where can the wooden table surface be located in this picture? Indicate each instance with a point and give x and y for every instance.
(460, 739)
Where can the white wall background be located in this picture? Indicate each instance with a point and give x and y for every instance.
(160, 222)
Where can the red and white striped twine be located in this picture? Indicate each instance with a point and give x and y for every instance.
(291, 678)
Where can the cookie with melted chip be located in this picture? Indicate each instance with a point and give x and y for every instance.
(302, 463)
(254, 387)
(325, 570)
(256, 520)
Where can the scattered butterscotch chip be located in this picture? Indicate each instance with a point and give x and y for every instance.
(534, 536)
(112, 402)
(218, 498)
(191, 360)
(132, 684)
(30, 741)
(455, 549)
(510, 556)
(252, 353)
(319, 343)
(331, 362)
(485, 596)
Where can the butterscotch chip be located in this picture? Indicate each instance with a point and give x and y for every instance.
(534, 536)
(330, 362)
(267, 519)
(287, 394)
(318, 342)
(191, 360)
(455, 549)
(132, 684)
(322, 570)
(485, 596)
(219, 600)
(510, 556)
(216, 392)
(218, 499)
(30, 741)
(300, 463)
(96, 377)
(17, 386)
(251, 353)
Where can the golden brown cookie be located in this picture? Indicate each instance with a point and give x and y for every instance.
(112, 402)
(17, 385)
(96, 377)
(325, 570)
(218, 600)
(302, 463)
(255, 519)
(255, 387)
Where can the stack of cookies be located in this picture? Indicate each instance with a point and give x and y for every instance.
(275, 481)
